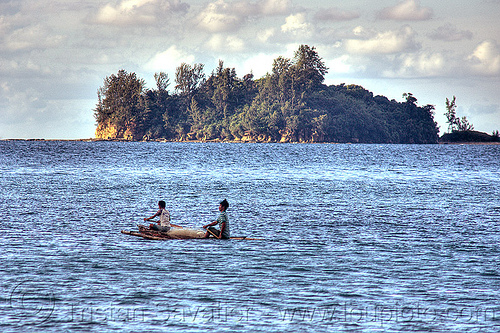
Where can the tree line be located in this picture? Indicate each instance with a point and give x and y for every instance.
(289, 104)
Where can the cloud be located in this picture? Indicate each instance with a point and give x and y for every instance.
(479, 109)
(485, 59)
(449, 33)
(274, 7)
(259, 64)
(266, 34)
(420, 64)
(31, 37)
(297, 25)
(396, 54)
(221, 16)
(361, 32)
(340, 64)
(22, 67)
(137, 12)
(388, 42)
(169, 60)
(407, 10)
(26, 102)
(335, 14)
(4, 25)
(483, 116)
(27, 113)
(227, 44)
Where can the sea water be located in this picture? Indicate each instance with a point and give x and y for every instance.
(354, 237)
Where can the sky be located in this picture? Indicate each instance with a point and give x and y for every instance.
(55, 54)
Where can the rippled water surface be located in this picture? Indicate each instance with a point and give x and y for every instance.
(355, 237)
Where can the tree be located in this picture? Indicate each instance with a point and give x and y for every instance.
(281, 84)
(188, 78)
(291, 103)
(410, 99)
(224, 85)
(309, 66)
(119, 104)
(162, 81)
(464, 125)
(196, 115)
(451, 114)
(456, 123)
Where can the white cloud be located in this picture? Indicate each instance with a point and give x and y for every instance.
(297, 24)
(4, 25)
(274, 7)
(485, 59)
(340, 64)
(217, 17)
(407, 10)
(130, 12)
(23, 67)
(266, 34)
(388, 42)
(32, 37)
(169, 60)
(222, 15)
(362, 33)
(227, 44)
(421, 64)
(259, 64)
(426, 63)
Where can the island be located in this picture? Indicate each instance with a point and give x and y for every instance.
(289, 104)
(469, 136)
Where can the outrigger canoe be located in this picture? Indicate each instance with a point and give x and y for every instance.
(173, 233)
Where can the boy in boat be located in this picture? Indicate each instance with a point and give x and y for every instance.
(223, 233)
(164, 222)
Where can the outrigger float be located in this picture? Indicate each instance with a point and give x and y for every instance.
(174, 233)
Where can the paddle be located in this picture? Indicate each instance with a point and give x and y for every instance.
(211, 232)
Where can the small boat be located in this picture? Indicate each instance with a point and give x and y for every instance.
(174, 233)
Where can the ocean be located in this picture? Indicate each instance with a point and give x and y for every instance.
(353, 238)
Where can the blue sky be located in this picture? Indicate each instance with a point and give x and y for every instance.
(54, 55)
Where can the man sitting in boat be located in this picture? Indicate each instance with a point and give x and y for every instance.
(223, 233)
(164, 223)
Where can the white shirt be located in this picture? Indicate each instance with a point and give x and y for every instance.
(164, 217)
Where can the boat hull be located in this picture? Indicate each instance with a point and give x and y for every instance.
(173, 233)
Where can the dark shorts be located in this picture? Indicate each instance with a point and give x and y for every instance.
(160, 228)
(217, 232)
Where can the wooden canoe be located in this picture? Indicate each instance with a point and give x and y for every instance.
(174, 233)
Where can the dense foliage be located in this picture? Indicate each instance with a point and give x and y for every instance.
(469, 136)
(290, 104)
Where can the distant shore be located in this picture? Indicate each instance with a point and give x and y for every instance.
(491, 143)
(239, 141)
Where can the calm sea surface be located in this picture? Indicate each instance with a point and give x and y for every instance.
(355, 237)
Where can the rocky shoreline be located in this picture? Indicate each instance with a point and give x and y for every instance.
(464, 137)
(240, 141)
